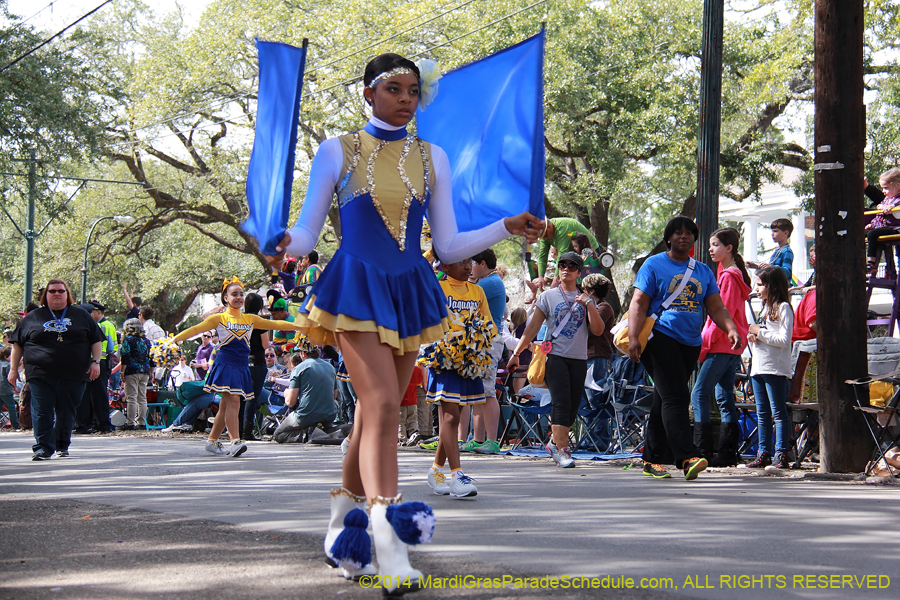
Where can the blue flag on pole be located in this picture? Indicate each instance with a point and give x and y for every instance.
(271, 170)
(489, 118)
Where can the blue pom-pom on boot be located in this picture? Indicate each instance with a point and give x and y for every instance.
(352, 549)
(413, 522)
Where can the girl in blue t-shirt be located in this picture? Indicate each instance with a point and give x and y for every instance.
(671, 353)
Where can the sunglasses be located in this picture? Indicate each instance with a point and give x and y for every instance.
(569, 266)
(270, 356)
(56, 291)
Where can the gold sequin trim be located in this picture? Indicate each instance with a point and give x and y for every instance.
(426, 168)
(347, 493)
(354, 162)
(398, 232)
(385, 501)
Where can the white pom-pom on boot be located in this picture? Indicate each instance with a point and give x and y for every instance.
(342, 502)
(397, 575)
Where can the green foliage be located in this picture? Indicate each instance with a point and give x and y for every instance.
(48, 101)
(621, 106)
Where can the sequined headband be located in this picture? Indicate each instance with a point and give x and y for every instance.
(391, 73)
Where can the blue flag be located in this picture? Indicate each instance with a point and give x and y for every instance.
(271, 171)
(489, 118)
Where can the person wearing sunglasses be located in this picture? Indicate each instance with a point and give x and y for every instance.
(570, 314)
(201, 359)
(62, 347)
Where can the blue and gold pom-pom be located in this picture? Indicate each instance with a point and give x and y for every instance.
(165, 352)
(301, 343)
(466, 349)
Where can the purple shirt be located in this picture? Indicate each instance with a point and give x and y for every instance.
(203, 354)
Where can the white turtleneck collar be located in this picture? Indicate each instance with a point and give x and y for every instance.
(382, 125)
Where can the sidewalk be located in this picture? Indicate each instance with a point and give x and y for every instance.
(252, 527)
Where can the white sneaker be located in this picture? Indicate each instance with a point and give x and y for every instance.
(345, 445)
(237, 448)
(563, 458)
(173, 428)
(216, 447)
(437, 481)
(461, 486)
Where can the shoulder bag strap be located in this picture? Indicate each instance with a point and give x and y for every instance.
(687, 275)
(565, 319)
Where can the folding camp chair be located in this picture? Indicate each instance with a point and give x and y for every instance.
(528, 415)
(270, 415)
(628, 398)
(593, 424)
(884, 360)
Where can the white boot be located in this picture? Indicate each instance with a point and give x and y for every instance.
(397, 576)
(342, 502)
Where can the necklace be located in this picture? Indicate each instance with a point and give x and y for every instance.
(60, 324)
(728, 267)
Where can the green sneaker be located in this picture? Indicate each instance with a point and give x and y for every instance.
(488, 447)
(468, 446)
(656, 471)
(692, 467)
(430, 445)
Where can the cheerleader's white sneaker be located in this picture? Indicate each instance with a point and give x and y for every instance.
(237, 448)
(462, 486)
(437, 481)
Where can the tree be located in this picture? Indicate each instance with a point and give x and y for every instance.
(48, 101)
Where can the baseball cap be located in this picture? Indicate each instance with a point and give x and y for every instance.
(572, 257)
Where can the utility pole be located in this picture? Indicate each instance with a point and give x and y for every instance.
(708, 146)
(840, 127)
(29, 231)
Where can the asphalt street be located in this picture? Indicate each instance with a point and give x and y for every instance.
(184, 516)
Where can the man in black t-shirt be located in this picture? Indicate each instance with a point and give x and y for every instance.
(62, 347)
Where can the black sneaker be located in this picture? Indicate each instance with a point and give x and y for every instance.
(762, 460)
(41, 455)
(780, 461)
(62, 453)
(656, 471)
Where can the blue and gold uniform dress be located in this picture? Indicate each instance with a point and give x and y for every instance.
(230, 372)
(378, 281)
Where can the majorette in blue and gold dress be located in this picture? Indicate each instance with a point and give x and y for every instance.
(230, 372)
(386, 182)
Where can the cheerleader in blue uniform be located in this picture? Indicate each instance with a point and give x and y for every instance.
(379, 298)
(230, 373)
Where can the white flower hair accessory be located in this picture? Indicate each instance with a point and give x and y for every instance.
(429, 73)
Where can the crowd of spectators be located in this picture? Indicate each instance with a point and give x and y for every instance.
(305, 386)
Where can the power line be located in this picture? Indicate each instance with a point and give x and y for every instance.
(394, 36)
(20, 23)
(54, 36)
(351, 81)
(225, 101)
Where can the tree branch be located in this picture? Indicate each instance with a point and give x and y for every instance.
(217, 237)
